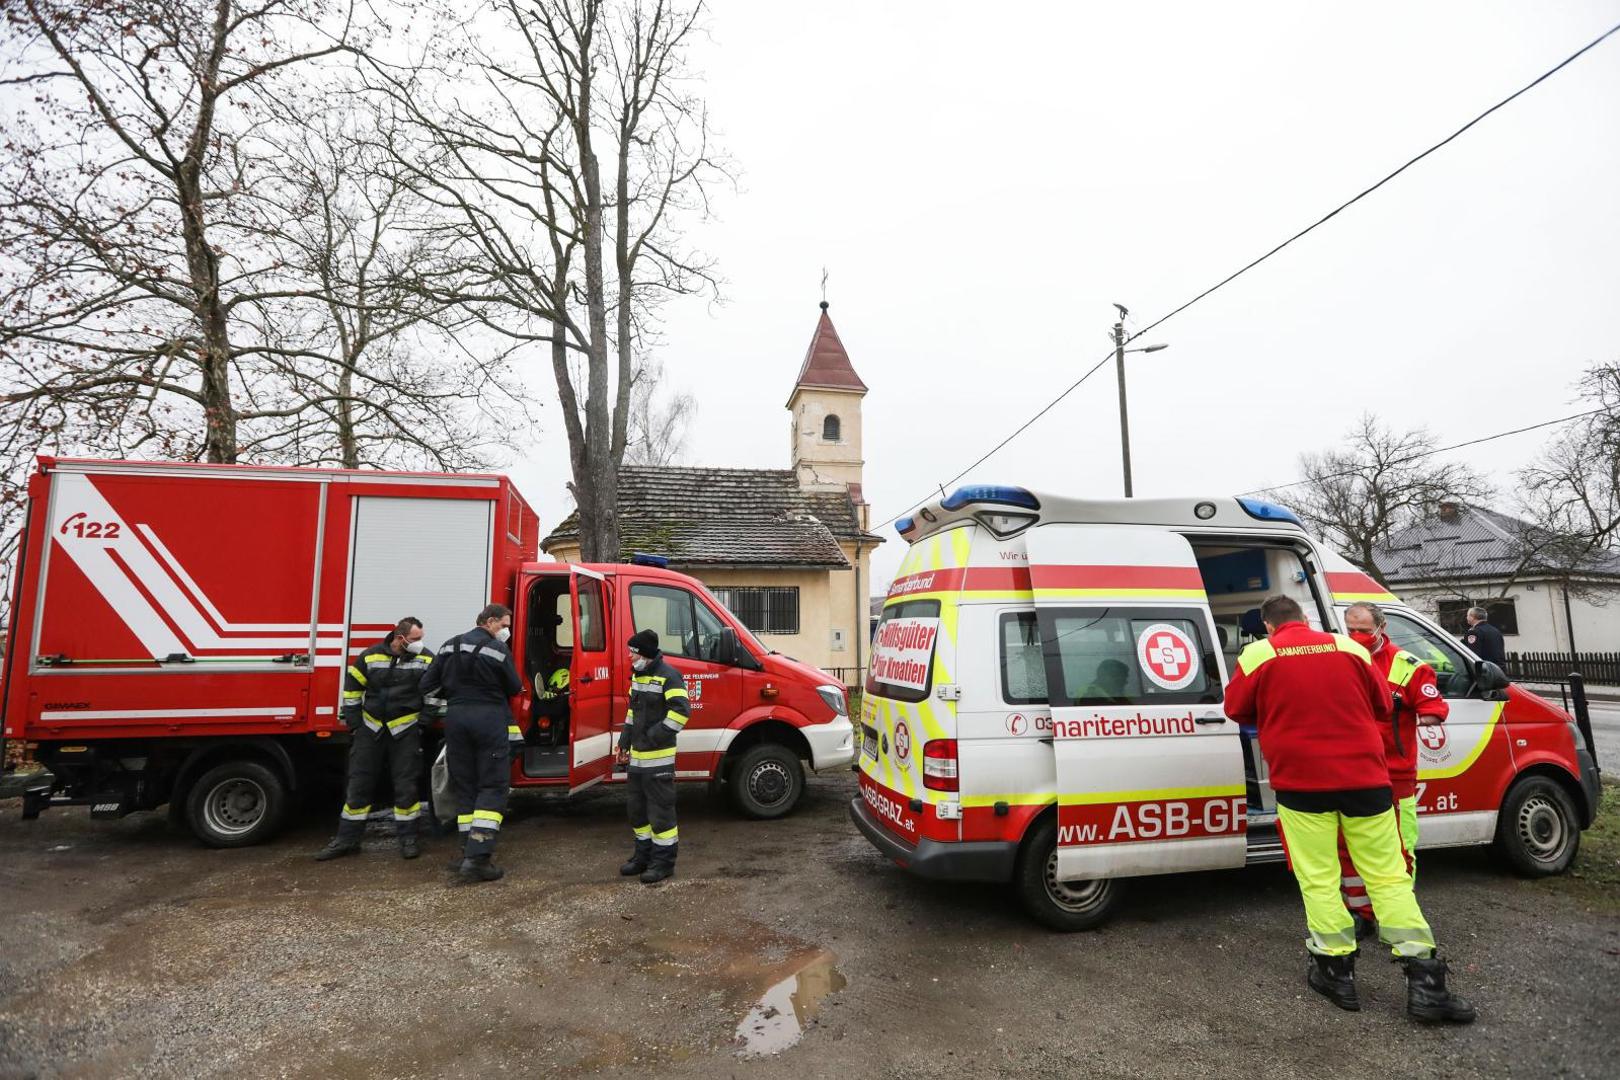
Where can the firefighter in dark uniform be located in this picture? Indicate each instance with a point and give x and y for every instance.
(1483, 638)
(474, 672)
(658, 711)
(382, 706)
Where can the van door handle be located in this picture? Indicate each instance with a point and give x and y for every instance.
(587, 678)
(1210, 718)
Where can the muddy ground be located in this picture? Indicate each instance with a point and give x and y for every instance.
(127, 950)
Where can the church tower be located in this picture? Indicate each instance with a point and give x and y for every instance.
(826, 410)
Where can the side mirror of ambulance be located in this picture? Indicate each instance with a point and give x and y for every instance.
(1490, 680)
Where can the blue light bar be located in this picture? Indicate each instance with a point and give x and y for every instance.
(905, 525)
(643, 559)
(990, 493)
(1265, 511)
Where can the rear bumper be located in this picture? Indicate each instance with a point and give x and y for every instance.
(976, 860)
(832, 745)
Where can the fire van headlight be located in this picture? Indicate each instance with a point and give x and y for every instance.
(834, 697)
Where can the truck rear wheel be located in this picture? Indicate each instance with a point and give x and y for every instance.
(1538, 831)
(1061, 905)
(767, 781)
(236, 804)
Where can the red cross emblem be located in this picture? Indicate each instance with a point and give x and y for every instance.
(1432, 735)
(902, 741)
(1168, 656)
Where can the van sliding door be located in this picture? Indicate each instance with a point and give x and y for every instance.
(1149, 771)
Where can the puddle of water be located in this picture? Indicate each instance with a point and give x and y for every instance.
(778, 1020)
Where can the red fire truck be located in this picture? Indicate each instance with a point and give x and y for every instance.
(178, 635)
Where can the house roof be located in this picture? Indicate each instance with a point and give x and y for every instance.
(703, 516)
(1473, 542)
(826, 364)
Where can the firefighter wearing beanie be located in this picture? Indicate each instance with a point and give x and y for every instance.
(658, 711)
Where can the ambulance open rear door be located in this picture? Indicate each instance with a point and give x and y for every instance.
(1149, 770)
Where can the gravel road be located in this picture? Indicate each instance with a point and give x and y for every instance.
(127, 950)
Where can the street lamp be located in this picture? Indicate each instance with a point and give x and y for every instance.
(1119, 366)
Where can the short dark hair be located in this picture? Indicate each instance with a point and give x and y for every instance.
(1281, 609)
(403, 627)
(493, 611)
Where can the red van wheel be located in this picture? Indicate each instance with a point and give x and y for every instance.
(767, 781)
(1538, 831)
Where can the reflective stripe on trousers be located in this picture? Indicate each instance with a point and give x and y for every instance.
(1311, 842)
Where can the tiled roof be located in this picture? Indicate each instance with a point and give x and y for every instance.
(1471, 542)
(701, 516)
(825, 362)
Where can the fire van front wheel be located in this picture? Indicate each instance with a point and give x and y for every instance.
(1538, 832)
(236, 804)
(767, 781)
(1061, 905)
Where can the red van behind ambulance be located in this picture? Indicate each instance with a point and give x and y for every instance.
(1044, 703)
(178, 635)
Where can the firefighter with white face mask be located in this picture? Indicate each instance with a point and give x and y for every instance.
(658, 711)
(475, 673)
(383, 703)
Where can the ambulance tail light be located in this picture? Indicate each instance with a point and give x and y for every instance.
(939, 764)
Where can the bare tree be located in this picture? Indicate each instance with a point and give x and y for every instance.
(660, 418)
(567, 136)
(1382, 481)
(128, 198)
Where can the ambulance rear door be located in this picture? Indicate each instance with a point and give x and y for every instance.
(593, 719)
(1149, 770)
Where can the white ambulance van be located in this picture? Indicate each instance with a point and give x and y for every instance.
(1044, 702)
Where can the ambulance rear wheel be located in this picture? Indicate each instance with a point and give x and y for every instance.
(767, 781)
(236, 804)
(1061, 905)
(1538, 831)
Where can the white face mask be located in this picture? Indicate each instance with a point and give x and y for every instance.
(503, 634)
(415, 646)
(640, 663)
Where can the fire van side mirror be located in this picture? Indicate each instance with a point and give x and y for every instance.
(729, 651)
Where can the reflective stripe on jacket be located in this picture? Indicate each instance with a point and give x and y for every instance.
(659, 709)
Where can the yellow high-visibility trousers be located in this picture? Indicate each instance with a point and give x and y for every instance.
(1312, 845)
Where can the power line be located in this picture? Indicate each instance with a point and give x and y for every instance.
(1020, 429)
(1430, 453)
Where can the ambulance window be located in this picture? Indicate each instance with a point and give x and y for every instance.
(1128, 656)
(903, 651)
(1023, 672)
(1450, 672)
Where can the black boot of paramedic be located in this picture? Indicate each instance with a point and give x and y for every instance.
(1427, 998)
(658, 711)
(1334, 977)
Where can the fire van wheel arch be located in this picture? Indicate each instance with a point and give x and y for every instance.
(236, 804)
(1538, 831)
(1061, 905)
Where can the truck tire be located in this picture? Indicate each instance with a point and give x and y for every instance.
(1538, 831)
(236, 804)
(1066, 906)
(767, 781)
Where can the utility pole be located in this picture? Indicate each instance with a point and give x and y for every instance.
(1124, 418)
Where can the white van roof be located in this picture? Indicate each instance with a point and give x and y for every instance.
(1008, 509)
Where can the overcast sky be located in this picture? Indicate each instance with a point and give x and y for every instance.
(982, 189)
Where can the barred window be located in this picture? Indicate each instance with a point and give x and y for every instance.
(763, 610)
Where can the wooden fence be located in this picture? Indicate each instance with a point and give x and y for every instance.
(1599, 668)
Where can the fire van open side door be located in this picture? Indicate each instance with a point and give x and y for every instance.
(593, 720)
(1149, 770)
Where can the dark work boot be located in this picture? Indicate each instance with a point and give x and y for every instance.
(1334, 977)
(638, 859)
(479, 868)
(1427, 998)
(336, 848)
(409, 846)
(660, 866)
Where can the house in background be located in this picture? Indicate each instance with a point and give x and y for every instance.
(1465, 555)
(787, 550)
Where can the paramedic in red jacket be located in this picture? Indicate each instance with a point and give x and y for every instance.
(1417, 703)
(1318, 705)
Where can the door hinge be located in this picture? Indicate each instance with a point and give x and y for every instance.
(948, 692)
